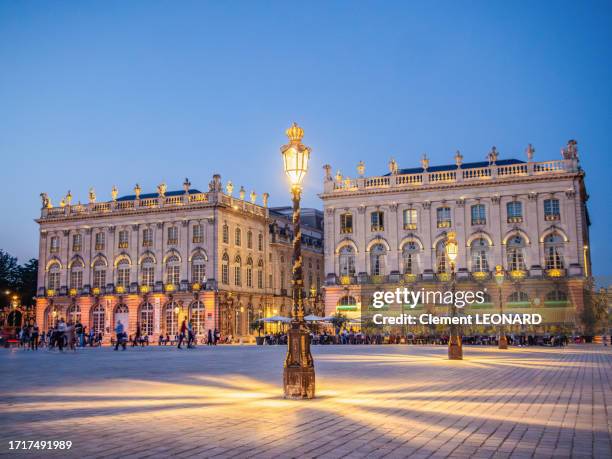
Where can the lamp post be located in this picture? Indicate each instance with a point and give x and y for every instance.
(499, 279)
(455, 348)
(298, 373)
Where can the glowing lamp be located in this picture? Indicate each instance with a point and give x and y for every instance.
(295, 156)
(176, 310)
(499, 275)
(451, 247)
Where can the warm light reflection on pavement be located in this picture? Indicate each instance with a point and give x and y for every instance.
(371, 401)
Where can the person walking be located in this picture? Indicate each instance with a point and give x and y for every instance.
(78, 329)
(61, 334)
(137, 336)
(217, 337)
(34, 337)
(190, 335)
(182, 333)
(119, 333)
(209, 341)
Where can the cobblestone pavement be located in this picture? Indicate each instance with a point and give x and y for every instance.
(372, 401)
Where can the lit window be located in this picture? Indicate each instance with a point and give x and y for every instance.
(146, 319)
(147, 237)
(515, 253)
(249, 273)
(99, 274)
(123, 273)
(100, 241)
(171, 320)
(198, 318)
(377, 222)
(478, 214)
(225, 269)
(551, 209)
(55, 245)
(443, 215)
(198, 268)
(410, 256)
(260, 265)
(77, 242)
(441, 263)
(148, 272)
(553, 251)
(514, 210)
(410, 219)
(172, 235)
(123, 239)
(346, 223)
(347, 261)
(76, 274)
(479, 250)
(377, 260)
(53, 277)
(173, 270)
(238, 271)
(98, 320)
(198, 234)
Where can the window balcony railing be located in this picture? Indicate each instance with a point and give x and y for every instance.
(552, 217)
(516, 219)
(479, 221)
(410, 278)
(443, 277)
(147, 243)
(76, 248)
(444, 224)
(123, 245)
(377, 278)
(346, 280)
(198, 239)
(54, 250)
(346, 230)
(518, 274)
(480, 275)
(172, 241)
(410, 226)
(99, 246)
(555, 272)
(377, 228)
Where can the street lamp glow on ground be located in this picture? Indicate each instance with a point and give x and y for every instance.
(298, 372)
(455, 348)
(499, 279)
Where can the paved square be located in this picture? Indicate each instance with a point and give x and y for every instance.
(373, 401)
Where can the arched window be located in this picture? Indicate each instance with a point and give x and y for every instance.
(249, 239)
(76, 274)
(145, 317)
(441, 262)
(198, 268)
(198, 317)
(97, 318)
(260, 266)
(171, 319)
(238, 238)
(74, 313)
(121, 314)
(123, 273)
(173, 270)
(515, 253)
(225, 269)
(237, 270)
(53, 277)
(556, 295)
(147, 272)
(225, 233)
(518, 297)
(377, 260)
(249, 272)
(410, 257)
(479, 250)
(553, 251)
(99, 274)
(347, 261)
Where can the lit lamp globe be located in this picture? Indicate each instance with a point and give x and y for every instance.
(452, 248)
(295, 156)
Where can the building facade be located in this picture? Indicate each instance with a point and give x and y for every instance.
(157, 259)
(386, 231)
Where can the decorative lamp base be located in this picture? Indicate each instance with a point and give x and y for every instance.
(503, 342)
(299, 372)
(455, 348)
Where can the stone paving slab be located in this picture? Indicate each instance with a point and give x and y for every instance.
(372, 401)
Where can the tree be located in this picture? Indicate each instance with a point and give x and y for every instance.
(26, 279)
(595, 309)
(8, 276)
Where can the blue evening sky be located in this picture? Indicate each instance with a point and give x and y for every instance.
(115, 92)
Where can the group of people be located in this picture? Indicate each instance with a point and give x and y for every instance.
(187, 336)
(62, 335)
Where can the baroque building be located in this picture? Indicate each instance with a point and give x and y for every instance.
(383, 232)
(156, 259)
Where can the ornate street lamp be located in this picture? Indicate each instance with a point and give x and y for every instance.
(455, 348)
(499, 279)
(298, 373)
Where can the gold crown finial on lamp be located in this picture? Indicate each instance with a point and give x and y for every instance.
(295, 133)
